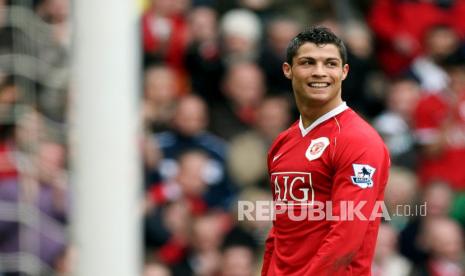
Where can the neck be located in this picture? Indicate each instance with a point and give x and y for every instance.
(310, 113)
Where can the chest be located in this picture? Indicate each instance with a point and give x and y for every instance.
(301, 169)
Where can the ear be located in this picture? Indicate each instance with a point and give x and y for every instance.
(345, 71)
(287, 70)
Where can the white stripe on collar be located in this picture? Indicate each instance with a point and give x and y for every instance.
(340, 108)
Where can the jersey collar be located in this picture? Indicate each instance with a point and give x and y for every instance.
(340, 108)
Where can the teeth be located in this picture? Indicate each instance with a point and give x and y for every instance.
(319, 84)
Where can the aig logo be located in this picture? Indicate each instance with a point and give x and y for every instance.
(293, 186)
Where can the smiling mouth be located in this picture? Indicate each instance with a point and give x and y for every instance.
(318, 84)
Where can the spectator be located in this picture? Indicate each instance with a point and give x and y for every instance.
(248, 150)
(440, 42)
(437, 198)
(156, 269)
(151, 155)
(239, 252)
(189, 184)
(164, 31)
(9, 93)
(8, 167)
(396, 122)
(244, 88)
(262, 8)
(443, 238)
(189, 132)
(279, 32)
(160, 92)
(401, 192)
(12, 37)
(258, 228)
(167, 230)
(387, 260)
(238, 261)
(53, 11)
(8, 98)
(56, 13)
(204, 256)
(165, 35)
(440, 128)
(66, 262)
(241, 32)
(34, 42)
(310, 11)
(359, 91)
(203, 58)
(44, 189)
(399, 27)
(51, 41)
(31, 128)
(56, 16)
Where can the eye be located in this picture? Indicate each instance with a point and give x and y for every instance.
(332, 64)
(307, 62)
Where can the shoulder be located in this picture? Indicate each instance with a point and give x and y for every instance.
(358, 140)
(213, 139)
(358, 146)
(165, 139)
(213, 142)
(353, 129)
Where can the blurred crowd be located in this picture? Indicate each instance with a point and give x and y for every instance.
(214, 98)
(34, 188)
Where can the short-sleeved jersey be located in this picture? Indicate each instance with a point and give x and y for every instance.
(436, 115)
(339, 159)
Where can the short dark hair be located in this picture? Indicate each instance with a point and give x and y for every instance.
(319, 36)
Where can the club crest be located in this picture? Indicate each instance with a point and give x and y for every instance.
(316, 148)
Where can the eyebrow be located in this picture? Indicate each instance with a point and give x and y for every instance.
(325, 59)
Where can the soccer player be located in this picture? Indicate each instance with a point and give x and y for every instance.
(330, 160)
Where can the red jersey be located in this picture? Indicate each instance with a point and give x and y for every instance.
(436, 115)
(339, 158)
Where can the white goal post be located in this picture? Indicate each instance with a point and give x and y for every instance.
(106, 172)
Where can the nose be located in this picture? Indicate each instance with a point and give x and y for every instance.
(319, 70)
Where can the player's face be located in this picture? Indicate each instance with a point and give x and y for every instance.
(317, 73)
